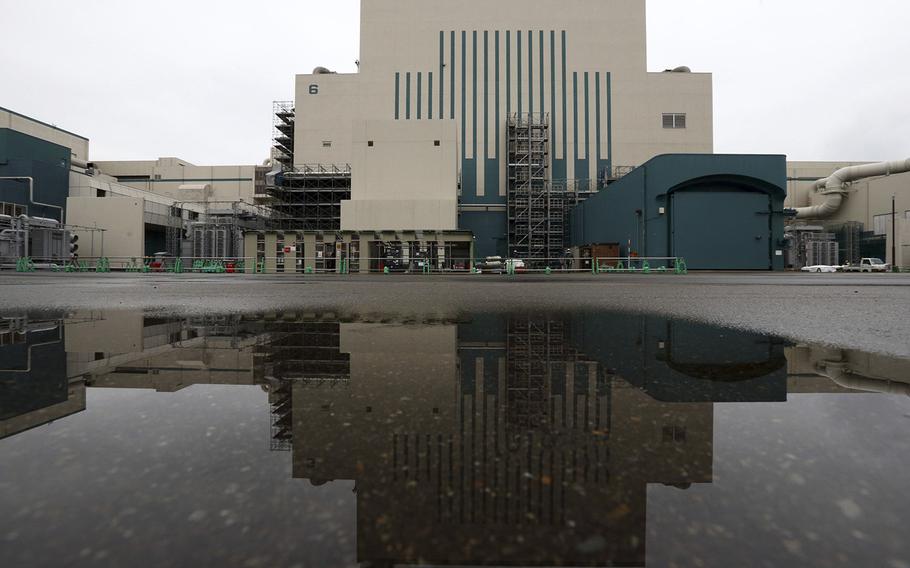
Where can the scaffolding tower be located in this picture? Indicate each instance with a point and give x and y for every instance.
(283, 121)
(536, 208)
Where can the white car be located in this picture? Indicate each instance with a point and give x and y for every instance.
(819, 268)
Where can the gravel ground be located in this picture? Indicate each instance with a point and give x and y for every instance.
(869, 312)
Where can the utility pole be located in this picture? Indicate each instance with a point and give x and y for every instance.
(894, 267)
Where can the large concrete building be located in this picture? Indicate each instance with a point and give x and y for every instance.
(445, 91)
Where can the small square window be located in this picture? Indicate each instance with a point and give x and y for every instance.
(326, 143)
(437, 143)
(370, 143)
(674, 120)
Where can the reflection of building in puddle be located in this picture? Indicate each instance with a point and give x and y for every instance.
(505, 440)
(849, 369)
(524, 449)
(34, 388)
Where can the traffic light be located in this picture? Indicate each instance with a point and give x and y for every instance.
(74, 246)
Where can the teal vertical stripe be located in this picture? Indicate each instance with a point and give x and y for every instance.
(430, 95)
(497, 96)
(464, 96)
(597, 123)
(565, 114)
(397, 96)
(609, 123)
(530, 72)
(486, 99)
(508, 73)
(575, 114)
(407, 96)
(452, 73)
(518, 40)
(442, 77)
(474, 103)
(553, 116)
(419, 95)
(587, 119)
(541, 74)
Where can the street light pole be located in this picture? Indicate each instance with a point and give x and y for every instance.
(893, 234)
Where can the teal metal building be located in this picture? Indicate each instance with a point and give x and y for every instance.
(48, 164)
(718, 212)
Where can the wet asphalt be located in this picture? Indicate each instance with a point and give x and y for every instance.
(858, 311)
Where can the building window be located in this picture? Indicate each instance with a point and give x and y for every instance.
(13, 210)
(907, 215)
(100, 193)
(370, 143)
(326, 143)
(674, 434)
(674, 120)
(436, 143)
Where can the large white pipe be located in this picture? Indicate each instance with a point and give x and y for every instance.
(834, 186)
(841, 374)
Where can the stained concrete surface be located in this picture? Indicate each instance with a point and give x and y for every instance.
(859, 311)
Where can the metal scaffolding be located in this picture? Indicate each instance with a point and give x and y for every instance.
(309, 198)
(536, 208)
(283, 117)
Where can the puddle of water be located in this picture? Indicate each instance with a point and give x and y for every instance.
(525, 439)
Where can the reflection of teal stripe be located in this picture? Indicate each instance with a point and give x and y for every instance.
(530, 72)
(407, 96)
(452, 71)
(419, 95)
(541, 73)
(518, 39)
(129, 179)
(397, 95)
(430, 95)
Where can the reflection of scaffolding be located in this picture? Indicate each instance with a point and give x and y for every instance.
(533, 347)
(281, 406)
(309, 198)
(283, 132)
(536, 209)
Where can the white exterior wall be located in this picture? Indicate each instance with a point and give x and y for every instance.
(165, 176)
(408, 182)
(78, 145)
(604, 40)
(123, 219)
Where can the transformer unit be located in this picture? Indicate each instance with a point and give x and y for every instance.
(43, 240)
(213, 240)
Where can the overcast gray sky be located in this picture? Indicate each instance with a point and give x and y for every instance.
(814, 79)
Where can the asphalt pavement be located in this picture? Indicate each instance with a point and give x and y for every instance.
(860, 311)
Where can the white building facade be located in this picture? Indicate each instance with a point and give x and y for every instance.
(579, 66)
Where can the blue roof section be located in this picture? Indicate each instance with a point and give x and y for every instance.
(671, 170)
(20, 115)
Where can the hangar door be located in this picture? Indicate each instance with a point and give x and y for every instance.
(721, 229)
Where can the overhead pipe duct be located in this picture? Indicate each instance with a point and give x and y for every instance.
(31, 193)
(841, 374)
(834, 186)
